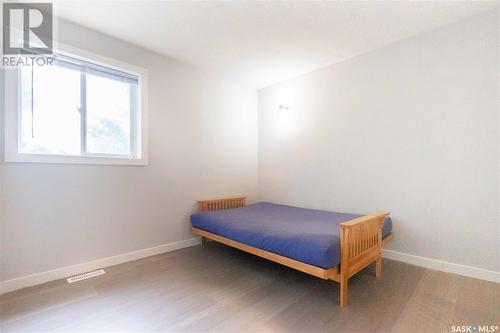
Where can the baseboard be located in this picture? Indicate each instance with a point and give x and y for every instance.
(444, 266)
(64, 272)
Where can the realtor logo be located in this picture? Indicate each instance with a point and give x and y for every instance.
(27, 28)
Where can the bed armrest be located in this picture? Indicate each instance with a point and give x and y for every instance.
(361, 241)
(360, 245)
(220, 204)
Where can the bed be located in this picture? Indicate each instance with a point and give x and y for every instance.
(329, 245)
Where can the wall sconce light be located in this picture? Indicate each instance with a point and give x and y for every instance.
(283, 107)
(284, 120)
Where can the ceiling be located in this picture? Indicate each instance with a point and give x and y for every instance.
(260, 43)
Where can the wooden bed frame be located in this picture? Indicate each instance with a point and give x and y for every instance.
(360, 245)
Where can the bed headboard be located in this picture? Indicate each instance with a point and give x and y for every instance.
(220, 204)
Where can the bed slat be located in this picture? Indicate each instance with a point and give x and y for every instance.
(220, 204)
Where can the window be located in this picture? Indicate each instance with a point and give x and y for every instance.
(75, 111)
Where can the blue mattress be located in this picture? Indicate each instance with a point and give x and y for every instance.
(307, 235)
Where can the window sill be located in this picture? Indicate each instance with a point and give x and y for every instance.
(60, 159)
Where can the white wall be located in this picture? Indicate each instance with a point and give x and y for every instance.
(412, 128)
(202, 143)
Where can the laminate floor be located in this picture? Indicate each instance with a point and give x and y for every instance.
(221, 289)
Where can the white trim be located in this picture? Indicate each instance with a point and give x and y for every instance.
(444, 266)
(64, 272)
(140, 137)
(72, 159)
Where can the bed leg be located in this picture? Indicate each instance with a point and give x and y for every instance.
(203, 241)
(378, 267)
(344, 286)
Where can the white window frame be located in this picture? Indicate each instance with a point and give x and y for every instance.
(139, 137)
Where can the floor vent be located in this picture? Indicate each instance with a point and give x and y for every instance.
(85, 276)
